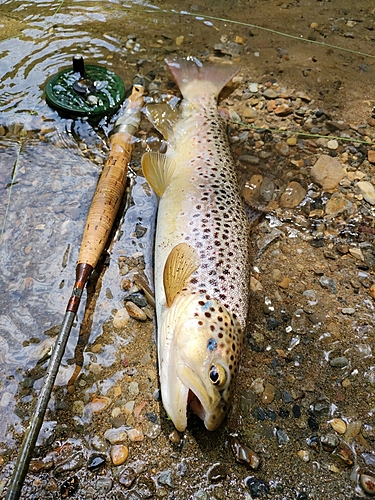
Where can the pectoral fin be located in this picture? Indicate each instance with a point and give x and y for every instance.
(158, 170)
(180, 265)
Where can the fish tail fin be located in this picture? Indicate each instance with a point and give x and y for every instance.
(195, 78)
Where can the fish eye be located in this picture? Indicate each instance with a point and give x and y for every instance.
(217, 375)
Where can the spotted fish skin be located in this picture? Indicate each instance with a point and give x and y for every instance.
(201, 250)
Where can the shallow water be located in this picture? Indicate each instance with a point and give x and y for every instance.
(49, 167)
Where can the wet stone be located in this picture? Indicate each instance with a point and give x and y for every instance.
(293, 195)
(216, 473)
(339, 362)
(103, 485)
(314, 442)
(116, 436)
(282, 437)
(119, 453)
(95, 460)
(257, 487)
(165, 478)
(243, 454)
(312, 423)
(69, 487)
(338, 425)
(137, 298)
(329, 442)
(127, 477)
(121, 318)
(135, 311)
(343, 454)
(99, 444)
(367, 483)
(146, 487)
(135, 435)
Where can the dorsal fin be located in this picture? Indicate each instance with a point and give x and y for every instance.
(158, 170)
(179, 266)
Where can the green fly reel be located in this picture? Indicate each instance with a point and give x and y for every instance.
(85, 90)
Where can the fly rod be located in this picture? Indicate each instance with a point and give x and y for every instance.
(102, 213)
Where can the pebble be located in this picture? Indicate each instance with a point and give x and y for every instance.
(268, 393)
(249, 113)
(127, 477)
(135, 311)
(257, 386)
(339, 362)
(329, 442)
(243, 454)
(133, 389)
(356, 253)
(284, 283)
(270, 94)
(119, 453)
(151, 429)
(253, 87)
(329, 283)
(332, 144)
(371, 155)
(99, 404)
(135, 435)
(343, 454)
(146, 487)
(69, 487)
(348, 310)
(304, 455)
(96, 460)
(99, 444)
(103, 485)
(337, 204)
(137, 298)
(116, 436)
(327, 172)
(216, 473)
(282, 437)
(367, 483)
(282, 148)
(257, 487)
(165, 478)
(367, 190)
(293, 195)
(353, 429)
(338, 425)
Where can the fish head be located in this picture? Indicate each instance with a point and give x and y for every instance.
(203, 360)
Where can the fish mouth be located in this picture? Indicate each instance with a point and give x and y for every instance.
(195, 406)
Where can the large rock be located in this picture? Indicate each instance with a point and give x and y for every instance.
(327, 172)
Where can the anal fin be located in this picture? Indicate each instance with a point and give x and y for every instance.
(181, 263)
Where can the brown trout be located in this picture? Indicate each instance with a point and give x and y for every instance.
(201, 249)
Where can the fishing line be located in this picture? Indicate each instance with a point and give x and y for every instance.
(301, 38)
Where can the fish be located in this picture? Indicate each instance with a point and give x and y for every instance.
(202, 247)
